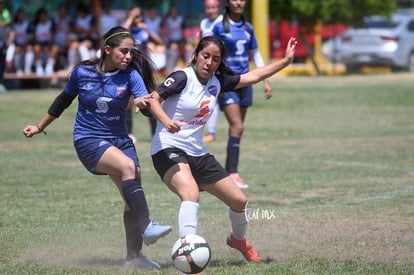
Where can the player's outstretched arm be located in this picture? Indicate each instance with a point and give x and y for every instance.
(264, 72)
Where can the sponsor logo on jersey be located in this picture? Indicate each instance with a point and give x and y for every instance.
(212, 90)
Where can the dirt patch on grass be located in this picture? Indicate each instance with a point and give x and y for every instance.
(340, 239)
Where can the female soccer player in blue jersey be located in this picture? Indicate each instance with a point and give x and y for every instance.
(103, 87)
(181, 160)
(240, 41)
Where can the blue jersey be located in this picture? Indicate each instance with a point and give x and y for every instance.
(141, 37)
(102, 100)
(238, 42)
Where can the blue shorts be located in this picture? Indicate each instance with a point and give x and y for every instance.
(244, 98)
(90, 150)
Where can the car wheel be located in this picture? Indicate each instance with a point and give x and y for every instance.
(411, 62)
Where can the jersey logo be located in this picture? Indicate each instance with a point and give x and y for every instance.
(212, 90)
(169, 81)
(204, 110)
(240, 46)
(120, 90)
(102, 104)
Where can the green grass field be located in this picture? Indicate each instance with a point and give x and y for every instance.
(329, 161)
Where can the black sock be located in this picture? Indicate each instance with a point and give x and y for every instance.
(135, 198)
(132, 235)
(233, 151)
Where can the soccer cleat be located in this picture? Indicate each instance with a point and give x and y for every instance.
(238, 180)
(209, 138)
(141, 262)
(244, 247)
(154, 231)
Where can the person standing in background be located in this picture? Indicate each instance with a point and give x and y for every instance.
(142, 34)
(213, 16)
(240, 42)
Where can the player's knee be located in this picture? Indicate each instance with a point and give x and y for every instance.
(129, 169)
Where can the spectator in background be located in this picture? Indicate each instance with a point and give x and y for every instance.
(213, 16)
(174, 30)
(153, 19)
(64, 27)
(142, 35)
(5, 20)
(107, 19)
(86, 31)
(19, 42)
(43, 32)
(240, 41)
(157, 52)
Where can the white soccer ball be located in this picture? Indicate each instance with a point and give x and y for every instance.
(191, 254)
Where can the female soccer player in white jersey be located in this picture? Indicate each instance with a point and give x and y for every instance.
(103, 87)
(240, 40)
(181, 160)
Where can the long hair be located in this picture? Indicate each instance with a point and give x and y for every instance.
(140, 61)
(226, 20)
(204, 42)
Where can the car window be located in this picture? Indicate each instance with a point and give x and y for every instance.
(410, 26)
(381, 24)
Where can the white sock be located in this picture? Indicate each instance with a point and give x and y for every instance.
(239, 222)
(28, 61)
(17, 61)
(187, 218)
(50, 62)
(10, 52)
(38, 63)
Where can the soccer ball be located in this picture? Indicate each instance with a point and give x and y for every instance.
(191, 254)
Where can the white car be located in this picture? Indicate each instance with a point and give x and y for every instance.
(381, 42)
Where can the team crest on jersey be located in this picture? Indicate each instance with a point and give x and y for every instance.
(212, 90)
(120, 90)
(169, 81)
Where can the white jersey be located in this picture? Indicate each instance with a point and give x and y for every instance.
(154, 24)
(62, 26)
(206, 25)
(43, 32)
(190, 102)
(20, 32)
(174, 28)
